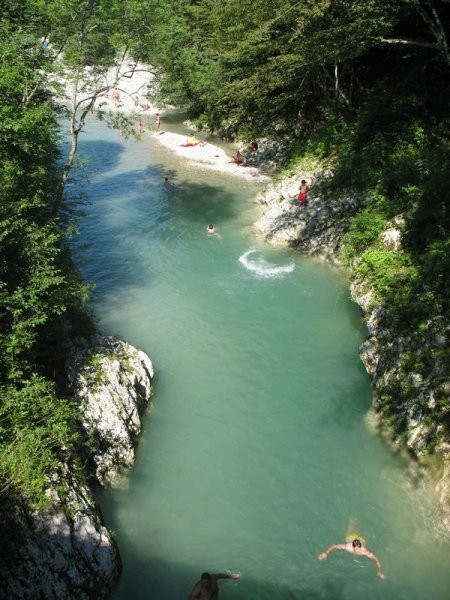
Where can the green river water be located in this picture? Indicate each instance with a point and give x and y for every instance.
(256, 455)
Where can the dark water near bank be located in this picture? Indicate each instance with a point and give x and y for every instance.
(256, 455)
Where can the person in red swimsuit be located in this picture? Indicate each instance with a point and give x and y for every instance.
(303, 193)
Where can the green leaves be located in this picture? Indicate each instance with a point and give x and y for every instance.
(37, 432)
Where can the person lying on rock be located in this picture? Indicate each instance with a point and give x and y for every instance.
(207, 588)
(354, 547)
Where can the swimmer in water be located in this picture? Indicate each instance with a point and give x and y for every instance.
(207, 588)
(210, 230)
(354, 547)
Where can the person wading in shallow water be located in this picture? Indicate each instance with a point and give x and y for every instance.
(354, 547)
(207, 588)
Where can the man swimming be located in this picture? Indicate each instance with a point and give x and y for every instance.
(207, 588)
(354, 547)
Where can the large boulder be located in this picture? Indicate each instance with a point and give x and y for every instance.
(112, 382)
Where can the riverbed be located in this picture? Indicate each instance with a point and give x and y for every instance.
(256, 455)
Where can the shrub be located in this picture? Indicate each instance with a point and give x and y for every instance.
(37, 432)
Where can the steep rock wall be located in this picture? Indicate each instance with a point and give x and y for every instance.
(316, 229)
(112, 383)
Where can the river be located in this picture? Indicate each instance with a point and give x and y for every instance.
(257, 454)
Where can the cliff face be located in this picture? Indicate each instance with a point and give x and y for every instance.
(316, 229)
(61, 552)
(410, 373)
(65, 551)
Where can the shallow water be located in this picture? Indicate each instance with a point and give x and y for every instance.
(256, 455)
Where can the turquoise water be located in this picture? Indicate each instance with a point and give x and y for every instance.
(256, 455)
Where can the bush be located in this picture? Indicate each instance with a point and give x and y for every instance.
(38, 431)
(364, 230)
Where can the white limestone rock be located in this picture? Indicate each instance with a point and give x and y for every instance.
(59, 553)
(112, 381)
(317, 229)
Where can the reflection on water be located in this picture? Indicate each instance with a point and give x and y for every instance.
(256, 456)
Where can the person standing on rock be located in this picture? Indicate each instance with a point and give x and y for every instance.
(207, 588)
(303, 193)
(157, 122)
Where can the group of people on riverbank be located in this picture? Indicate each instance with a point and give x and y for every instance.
(207, 587)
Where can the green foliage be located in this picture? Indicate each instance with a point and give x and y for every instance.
(39, 288)
(37, 432)
(302, 161)
(33, 286)
(364, 230)
(255, 63)
(383, 267)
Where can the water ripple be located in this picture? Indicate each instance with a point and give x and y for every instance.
(262, 268)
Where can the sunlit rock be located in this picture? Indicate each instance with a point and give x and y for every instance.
(112, 382)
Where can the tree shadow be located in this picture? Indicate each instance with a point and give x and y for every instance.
(171, 580)
(149, 208)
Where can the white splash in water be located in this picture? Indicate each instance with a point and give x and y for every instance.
(262, 268)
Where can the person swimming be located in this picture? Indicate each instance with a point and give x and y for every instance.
(207, 588)
(210, 230)
(354, 547)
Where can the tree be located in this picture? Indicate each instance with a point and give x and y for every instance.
(88, 39)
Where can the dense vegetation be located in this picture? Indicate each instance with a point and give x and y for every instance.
(363, 85)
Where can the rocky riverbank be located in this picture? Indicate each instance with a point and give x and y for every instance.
(409, 373)
(65, 551)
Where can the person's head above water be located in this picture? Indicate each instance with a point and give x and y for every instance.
(206, 580)
(356, 543)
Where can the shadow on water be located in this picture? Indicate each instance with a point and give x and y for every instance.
(164, 580)
(134, 206)
(94, 156)
(206, 203)
(201, 200)
(151, 576)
